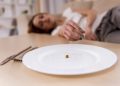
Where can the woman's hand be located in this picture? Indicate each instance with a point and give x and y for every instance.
(71, 31)
(89, 34)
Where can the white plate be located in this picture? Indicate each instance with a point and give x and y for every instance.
(69, 59)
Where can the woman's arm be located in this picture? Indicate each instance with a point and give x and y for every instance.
(70, 31)
(90, 15)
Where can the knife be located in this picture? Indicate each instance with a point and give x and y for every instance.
(19, 58)
(13, 56)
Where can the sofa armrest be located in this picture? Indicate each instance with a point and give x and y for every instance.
(22, 24)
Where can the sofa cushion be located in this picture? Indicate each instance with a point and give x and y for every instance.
(103, 5)
(80, 4)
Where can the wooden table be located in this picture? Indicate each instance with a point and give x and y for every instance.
(16, 74)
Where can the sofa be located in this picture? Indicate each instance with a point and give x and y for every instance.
(98, 5)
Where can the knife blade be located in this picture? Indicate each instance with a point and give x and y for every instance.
(13, 56)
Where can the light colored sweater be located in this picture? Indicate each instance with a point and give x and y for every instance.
(79, 19)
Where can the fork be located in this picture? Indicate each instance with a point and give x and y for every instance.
(6, 60)
(19, 59)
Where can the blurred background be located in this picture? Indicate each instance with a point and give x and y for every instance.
(15, 14)
(11, 10)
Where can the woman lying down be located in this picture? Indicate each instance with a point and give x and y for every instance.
(76, 23)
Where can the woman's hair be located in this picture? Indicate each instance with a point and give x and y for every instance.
(33, 29)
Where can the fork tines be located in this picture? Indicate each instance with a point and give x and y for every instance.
(14, 56)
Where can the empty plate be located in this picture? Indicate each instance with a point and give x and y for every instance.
(69, 59)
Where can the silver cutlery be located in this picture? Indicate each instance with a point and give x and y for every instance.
(19, 58)
(6, 60)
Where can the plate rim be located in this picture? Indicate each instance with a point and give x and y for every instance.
(115, 56)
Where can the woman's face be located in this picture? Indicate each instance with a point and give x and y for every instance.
(45, 21)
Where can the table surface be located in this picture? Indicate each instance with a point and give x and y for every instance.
(16, 74)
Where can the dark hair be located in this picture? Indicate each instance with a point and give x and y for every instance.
(33, 29)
